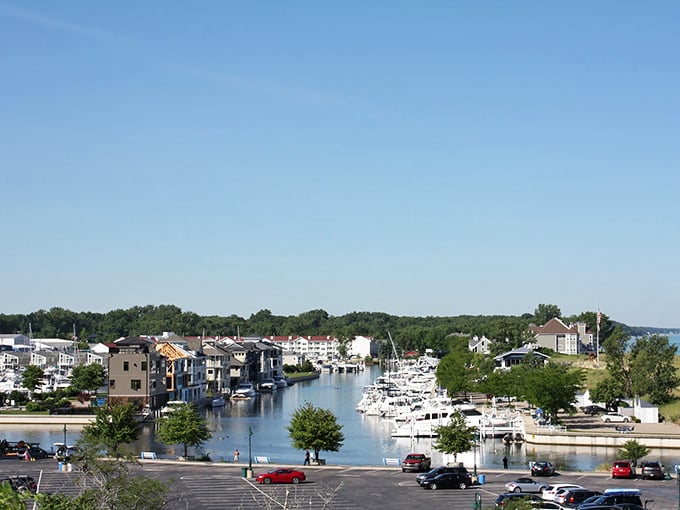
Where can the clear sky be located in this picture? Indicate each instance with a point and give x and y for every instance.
(429, 158)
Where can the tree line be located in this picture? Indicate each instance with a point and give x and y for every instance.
(409, 333)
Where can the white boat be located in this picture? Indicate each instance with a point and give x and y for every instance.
(267, 386)
(280, 381)
(244, 390)
(218, 401)
(172, 406)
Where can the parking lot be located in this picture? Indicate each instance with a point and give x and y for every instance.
(212, 486)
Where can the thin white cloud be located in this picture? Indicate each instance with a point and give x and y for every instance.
(53, 23)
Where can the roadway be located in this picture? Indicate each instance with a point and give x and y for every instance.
(213, 486)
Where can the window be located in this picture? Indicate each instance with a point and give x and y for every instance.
(136, 384)
(126, 366)
(112, 384)
(143, 366)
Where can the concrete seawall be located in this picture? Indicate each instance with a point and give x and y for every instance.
(44, 419)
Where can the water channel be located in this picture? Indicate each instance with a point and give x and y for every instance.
(367, 438)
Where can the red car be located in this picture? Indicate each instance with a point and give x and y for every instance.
(623, 469)
(281, 475)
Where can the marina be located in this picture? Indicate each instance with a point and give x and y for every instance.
(368, 439)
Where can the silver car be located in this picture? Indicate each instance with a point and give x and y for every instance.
(525, 484)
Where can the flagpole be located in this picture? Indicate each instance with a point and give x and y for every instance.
(598, 316)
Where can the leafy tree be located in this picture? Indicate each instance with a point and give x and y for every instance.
(30, 378)
(608, 391)
(552, 386)
(108, 485)
(315, 428)
(633, 451)
(544, 313)
(616, 346)
(455, 371)
(114, 426)
(455, 437)
(652, 368)
(88, 377)
(183, 426)
(10, 499)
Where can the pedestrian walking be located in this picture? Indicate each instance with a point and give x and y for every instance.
(306, 462)
(505, 462)
(236, 455)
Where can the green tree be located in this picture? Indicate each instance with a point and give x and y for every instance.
(455, 437)
(652, 368)
(552, 386)
(88, 377)
(315, 428)
(10, 499)
(114, 425)
(455, 371)
(616, 346)
(544, 313)
(608, 391)
(30, 378)
(633, 451)
(108, 485)
(184, 426)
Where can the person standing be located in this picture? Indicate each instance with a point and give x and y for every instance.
(306, 463)
(236, 455)
(505, 462)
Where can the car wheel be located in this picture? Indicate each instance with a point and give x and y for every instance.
(433, 486)
(607, 420)
(403, 470)
(267, 481)
(462, 485)
(517, 489)
(626, 420)
(296, 479)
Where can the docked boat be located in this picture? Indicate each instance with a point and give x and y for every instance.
(218, 401)
(246, 390)
(172, 406)
(267, 386)
(280, 381)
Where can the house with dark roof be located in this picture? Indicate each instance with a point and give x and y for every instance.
(509, 359)
(563, 338)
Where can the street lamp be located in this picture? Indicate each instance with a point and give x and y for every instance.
(474, 451)
(677, 475)
(250, 449)
(64, 435)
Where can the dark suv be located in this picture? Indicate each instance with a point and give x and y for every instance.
(652, 470)
(542, 468)
(441, 469)
(574, 497)
(614, 497)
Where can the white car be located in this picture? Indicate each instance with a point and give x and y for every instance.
(549, 492)
(615, 417)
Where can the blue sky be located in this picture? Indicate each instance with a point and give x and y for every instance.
(414, 158)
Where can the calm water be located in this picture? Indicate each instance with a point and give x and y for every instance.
(367, 438)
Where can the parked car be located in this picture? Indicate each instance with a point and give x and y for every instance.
(615, 417)
(503, 499)
(281, 475)
(623, 469)
(542, 468)
(525, 485)
(447, 481)
(652, 470)
(20, 483)
(571, 498)
(613, 497)
(439, 470)
(416, 462)
(593, 409)
(551, 490)
(37, 453)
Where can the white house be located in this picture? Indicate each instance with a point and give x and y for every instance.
(363, 347)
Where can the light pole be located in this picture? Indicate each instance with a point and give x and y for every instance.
(474, 452)
(64, 435)
(677, 475)
(250, 450)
